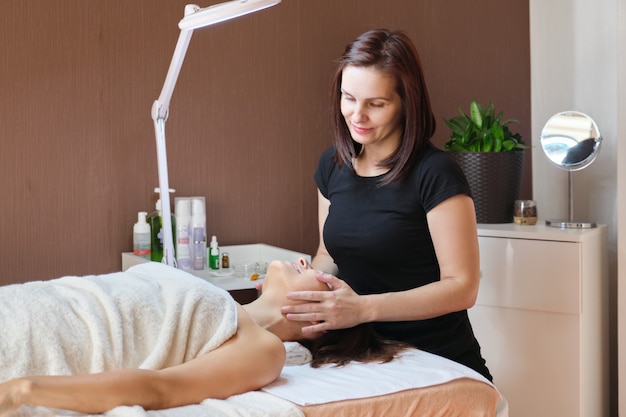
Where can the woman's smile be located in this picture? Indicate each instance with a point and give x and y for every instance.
(360, 130)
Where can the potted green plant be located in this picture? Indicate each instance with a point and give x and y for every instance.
(491, 157)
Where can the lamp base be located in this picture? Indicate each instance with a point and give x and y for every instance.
(571, 224)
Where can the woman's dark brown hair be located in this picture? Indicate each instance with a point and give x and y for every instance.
(359, 343)
(392, 53)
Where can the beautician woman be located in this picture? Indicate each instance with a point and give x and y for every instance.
(398, 238)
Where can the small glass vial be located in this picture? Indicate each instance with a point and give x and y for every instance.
(225, 260)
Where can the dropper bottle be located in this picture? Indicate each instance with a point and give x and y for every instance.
(214, 254)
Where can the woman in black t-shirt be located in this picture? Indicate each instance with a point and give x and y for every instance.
(398, 238)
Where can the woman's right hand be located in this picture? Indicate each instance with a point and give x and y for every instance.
(339, 308)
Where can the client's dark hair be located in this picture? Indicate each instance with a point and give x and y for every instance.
(360, 343)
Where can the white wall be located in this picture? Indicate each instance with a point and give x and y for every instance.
(575, 65)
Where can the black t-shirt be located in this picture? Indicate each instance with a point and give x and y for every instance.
(378, 236)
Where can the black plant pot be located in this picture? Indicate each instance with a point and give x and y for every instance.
(495, 179)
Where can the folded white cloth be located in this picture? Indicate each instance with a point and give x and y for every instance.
(413, 368)
(297, 354)
(151, 316)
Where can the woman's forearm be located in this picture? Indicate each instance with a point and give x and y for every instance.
(432, 300)
(324, 262)
(95, 393)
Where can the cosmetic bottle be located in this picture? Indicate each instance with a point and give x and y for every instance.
(198, 230)
(214, 254)
(182, 212)
(141, 236)
(156, 230)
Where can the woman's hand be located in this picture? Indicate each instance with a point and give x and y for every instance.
(339, 308)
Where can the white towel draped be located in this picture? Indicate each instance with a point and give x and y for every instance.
(150, 317)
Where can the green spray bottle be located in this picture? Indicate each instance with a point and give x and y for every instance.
(156, 229)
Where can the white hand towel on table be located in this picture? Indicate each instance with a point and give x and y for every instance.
(413, 368)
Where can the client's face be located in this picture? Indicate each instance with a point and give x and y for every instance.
(292, 276)
(283, 277)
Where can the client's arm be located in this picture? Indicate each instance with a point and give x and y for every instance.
(249, 360)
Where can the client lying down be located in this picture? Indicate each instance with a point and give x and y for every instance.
(157, 337)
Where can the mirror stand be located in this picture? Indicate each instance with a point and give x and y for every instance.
(571, 141)
(570, 223)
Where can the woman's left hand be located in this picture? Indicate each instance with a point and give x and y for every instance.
(339, 308)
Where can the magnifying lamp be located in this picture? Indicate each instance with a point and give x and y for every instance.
(195, 18)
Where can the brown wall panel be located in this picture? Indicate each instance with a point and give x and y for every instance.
(248, 119)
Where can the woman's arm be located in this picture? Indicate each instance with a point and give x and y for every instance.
(252, 358)
(453, 229)
(322, 260)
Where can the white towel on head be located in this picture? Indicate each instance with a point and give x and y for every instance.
(152, 316)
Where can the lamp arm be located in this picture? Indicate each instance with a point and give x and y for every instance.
(161, 106)
(160, 110)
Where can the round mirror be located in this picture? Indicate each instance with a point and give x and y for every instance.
(571, 140)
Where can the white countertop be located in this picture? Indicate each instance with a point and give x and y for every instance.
(227, 279)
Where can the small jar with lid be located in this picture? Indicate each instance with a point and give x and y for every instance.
(525, 212)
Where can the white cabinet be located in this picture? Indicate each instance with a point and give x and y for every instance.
(541, 318)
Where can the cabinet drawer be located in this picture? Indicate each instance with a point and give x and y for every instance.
(530, 274)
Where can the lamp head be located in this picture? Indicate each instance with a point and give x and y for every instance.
(195, 17)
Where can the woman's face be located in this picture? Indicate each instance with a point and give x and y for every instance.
(283, 277)
(292, 276)
(371, 106)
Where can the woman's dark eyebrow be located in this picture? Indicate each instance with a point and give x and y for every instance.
(367, 99)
